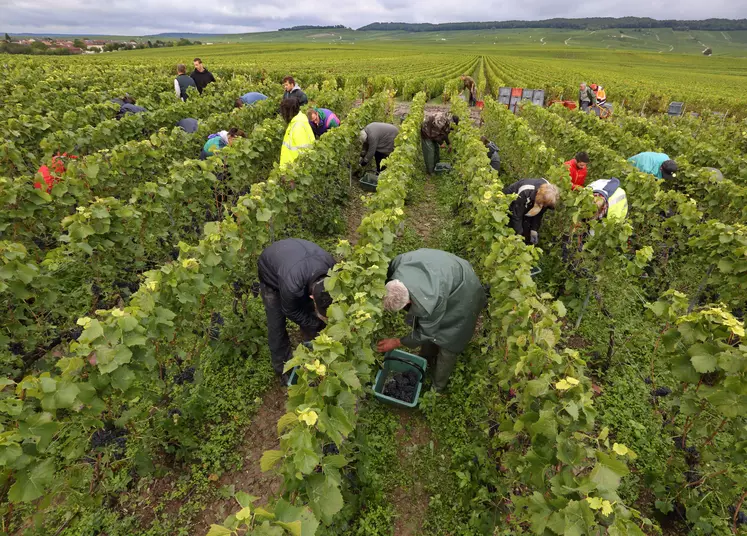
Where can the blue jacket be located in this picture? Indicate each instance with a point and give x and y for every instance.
(252, 97)
(649, 162)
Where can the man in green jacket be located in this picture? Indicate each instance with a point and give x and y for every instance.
(443, 298)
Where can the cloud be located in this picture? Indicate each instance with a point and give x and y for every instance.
(143, 17)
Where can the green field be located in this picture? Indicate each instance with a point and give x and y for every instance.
(604, 394)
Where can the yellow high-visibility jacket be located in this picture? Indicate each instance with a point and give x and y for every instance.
(298, 136)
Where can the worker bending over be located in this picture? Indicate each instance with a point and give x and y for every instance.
(321, 120)
(535, 196)
(657, 164)
(443, 298)
(434, 131)
(249, 98)
(611, 199)
(378, 143)
(291, 283)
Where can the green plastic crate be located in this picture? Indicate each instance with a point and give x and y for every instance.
(293, 378)
(370, 181)
(392, 365)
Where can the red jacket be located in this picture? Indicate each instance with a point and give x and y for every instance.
(52, 173)
(578, 175)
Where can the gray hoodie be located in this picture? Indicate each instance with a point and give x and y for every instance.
(379, 139)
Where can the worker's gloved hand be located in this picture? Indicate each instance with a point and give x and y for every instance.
(534, 238)
(362, 162)
(387, 345)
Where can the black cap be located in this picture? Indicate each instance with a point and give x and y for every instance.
(669, 169)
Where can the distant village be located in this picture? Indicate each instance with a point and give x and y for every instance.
(67, 46)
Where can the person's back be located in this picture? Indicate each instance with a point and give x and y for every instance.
(298, 136)
(127, 109)
(383, 135)
(445, 290)
(615, 206)
(252, 97)
(649, 162)
(182, 82)
(215, 143)
(436, 127)
(291, 264)
(188, 125)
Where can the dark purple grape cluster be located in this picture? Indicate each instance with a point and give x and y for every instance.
(661, 391)
(132, 286)
(741, 517)
(110, 435)
(330, 449)
(173, 411)
(216, 321)
(16, 348)
(402, 385)
(255, 289)
(185, 376)
(72, 334)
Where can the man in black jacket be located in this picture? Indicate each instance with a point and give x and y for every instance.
(294, 90)
(291, 277)
(535, 196)
(201, 76)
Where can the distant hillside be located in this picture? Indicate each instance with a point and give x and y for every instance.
(568, 24)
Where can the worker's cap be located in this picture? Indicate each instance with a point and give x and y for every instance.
(363, 136)
(397, 295)
(669, 169)
(547, 197)
(536, 209)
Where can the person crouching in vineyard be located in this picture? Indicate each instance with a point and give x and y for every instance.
(493, 153)
(469, 84)
(611, 199)
(249, 98)
(577, 168)
(657, 164)
(443, 298)
(377, 141)
(321, 120)
(217, 141)
(291, 279)
(52, 173)
(535, 196)
(433, 132)
(298, 135)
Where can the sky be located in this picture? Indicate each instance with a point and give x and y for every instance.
(145, 17)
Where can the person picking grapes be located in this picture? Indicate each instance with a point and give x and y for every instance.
(657, 164)
(534, 197)
(443, 298)
(291, 283)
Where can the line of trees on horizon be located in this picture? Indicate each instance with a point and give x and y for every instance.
(312, 27)
(595, 23)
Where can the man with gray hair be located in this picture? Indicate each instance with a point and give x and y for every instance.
(586, 97)
(443, 298)
(377, 140)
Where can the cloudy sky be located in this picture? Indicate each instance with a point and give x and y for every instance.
(143, 17)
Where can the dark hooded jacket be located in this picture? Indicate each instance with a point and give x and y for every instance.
(446, 297)
(298, 94)
(291, 267)
(527, 192)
